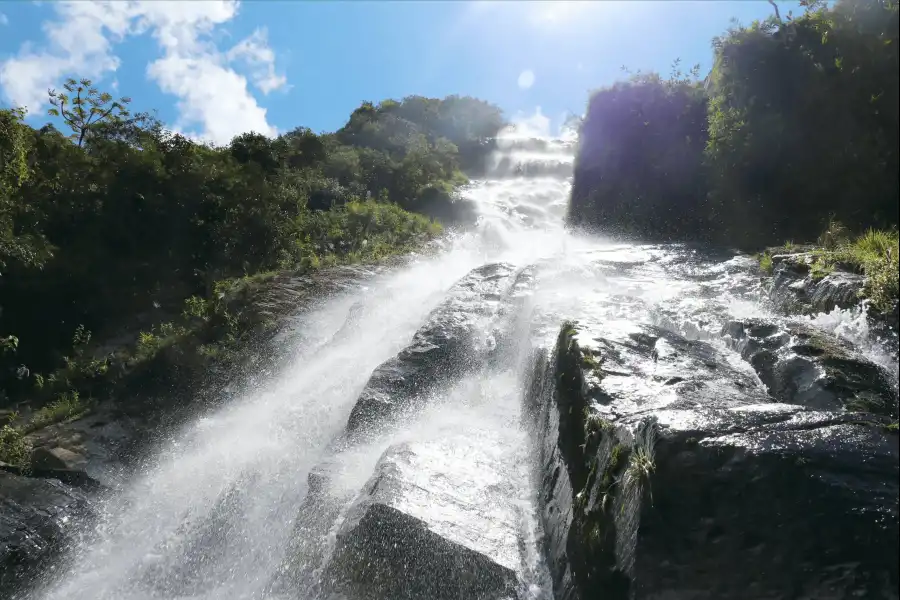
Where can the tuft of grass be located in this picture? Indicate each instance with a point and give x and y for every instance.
(834, 236)
(594, 423)
(67, 406)
(765, 262)
(642, 462)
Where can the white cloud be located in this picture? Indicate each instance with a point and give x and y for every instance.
(526, 79)
(255, 52)
(211, 93)
(4, 20)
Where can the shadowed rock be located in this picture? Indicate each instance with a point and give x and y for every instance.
(667, 473)
(424, 527)
(456, 336)
(802, 365)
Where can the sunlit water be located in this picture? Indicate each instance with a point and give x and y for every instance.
(212, 515)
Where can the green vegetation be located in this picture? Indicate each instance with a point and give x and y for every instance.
(126, 248)
(14, 448)
(765, 262)
(797, 123)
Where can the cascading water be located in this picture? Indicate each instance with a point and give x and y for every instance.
(216, 513)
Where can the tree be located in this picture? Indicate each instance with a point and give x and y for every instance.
(88, 108)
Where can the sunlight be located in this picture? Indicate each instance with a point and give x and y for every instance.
(557, 11)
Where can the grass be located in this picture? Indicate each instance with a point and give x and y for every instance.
(642, 461)
(765, 262)
(68, 406)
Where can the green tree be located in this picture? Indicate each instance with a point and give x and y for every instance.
(82, 107)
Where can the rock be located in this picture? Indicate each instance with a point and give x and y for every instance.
(704, 488)
(55, 458)
(456, 336)
(803, 365)
(796, 290)
(428, 528)
(35, 517)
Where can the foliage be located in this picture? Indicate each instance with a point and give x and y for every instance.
(13, 447)
(83, 107)
(875, 254)
(801, 127)
(639, 168)
(67, 406)
(111, 229)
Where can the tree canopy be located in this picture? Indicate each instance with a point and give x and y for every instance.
(102, 224)
(801, 127)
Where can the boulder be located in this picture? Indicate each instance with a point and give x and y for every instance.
(668, 472)
(429, 528)
(457, 336)
(44, 458)
(796, 290)
(36, 515)
(803, 365)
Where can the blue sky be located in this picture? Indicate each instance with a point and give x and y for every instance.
(216, 68)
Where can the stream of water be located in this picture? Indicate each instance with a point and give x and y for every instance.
(212, 515)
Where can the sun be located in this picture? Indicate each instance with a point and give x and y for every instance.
(557, 11)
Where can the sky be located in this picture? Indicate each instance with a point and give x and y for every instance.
(213, 69)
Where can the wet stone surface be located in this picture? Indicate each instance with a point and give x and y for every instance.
(689, 481)
(36, 515)
(802, 365)
(425, 527)
(456, 336)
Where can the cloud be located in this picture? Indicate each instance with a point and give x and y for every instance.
(526, 79)
(4, 20)
(211, 93)
(254, 51)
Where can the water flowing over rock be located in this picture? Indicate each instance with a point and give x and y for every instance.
(801, 365)
(424, 527)
(669, 473)
(432, 429)
(795, 290)
(35, 517)
(456, 336)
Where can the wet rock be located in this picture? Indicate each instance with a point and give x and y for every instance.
(55, 458)
(803, 365)
(456, 336)
(794, 287)
(36, 515)
(705, 488)
(428, 528)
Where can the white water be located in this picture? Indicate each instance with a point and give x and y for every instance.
(211, 517)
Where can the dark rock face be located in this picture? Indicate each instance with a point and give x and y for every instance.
(419, 531)
(670, 473)
(800, 365)
(453, 339)
(794, 290)
(36, 515)
(797, 291)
